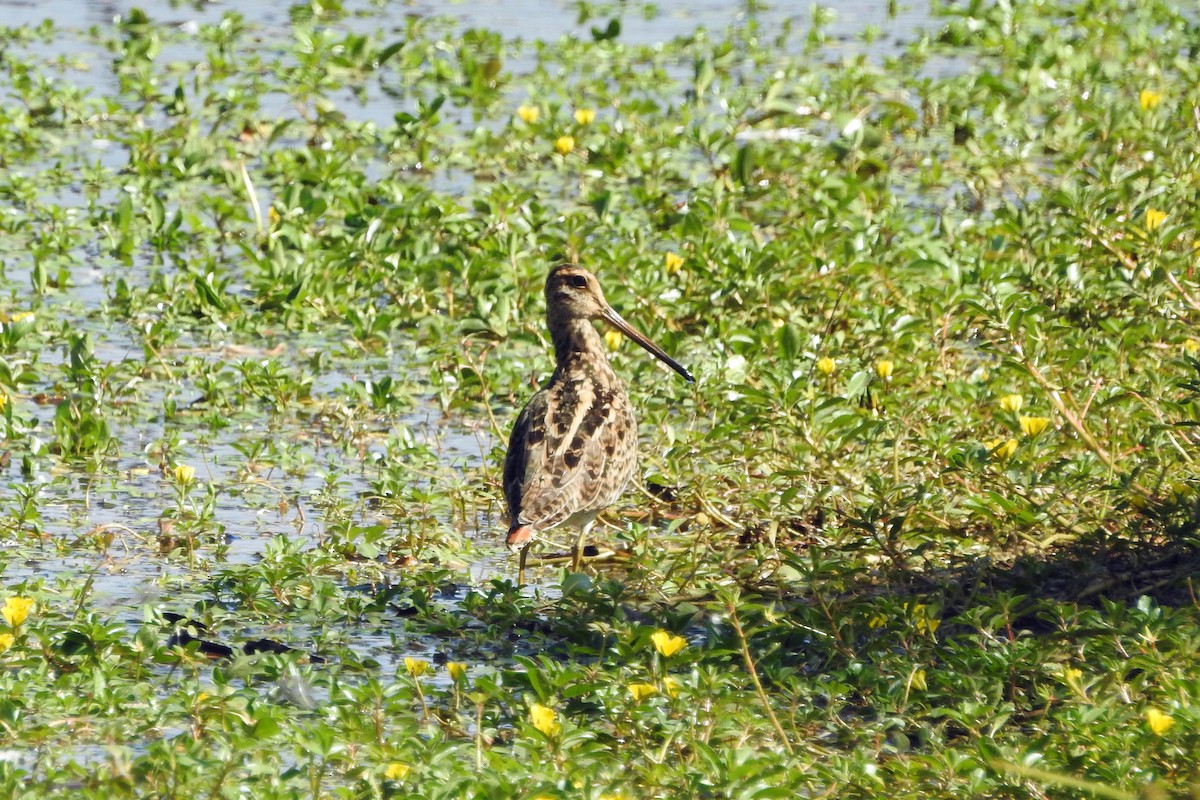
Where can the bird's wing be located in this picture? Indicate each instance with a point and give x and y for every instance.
(526, 445)
(563, 444)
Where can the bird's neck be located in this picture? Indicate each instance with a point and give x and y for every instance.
(577, 341)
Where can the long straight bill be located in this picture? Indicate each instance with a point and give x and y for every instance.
(618, 322)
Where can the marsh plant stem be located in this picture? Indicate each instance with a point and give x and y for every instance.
(479, 736)
(1076, 422)
(1129, 263)
(252, 198)
(1057, 779)
(758, 687)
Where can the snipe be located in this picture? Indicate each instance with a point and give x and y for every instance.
(573, 448)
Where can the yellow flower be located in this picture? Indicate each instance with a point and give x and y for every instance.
(884, 368)
(184, 473)
(666, 644)
(673, 263)
(918, 681)
(544, 719)
(1154, 218)
(6, 641)
(585, 116)
(1159, 722)
(826, 365)
(416, 667)
(1073, 678)
(528, 114)
(670, 686)
(613, 339)
(921, 619)
(1002, 449)
(641, 691)
(397, 771)
(564, 144)
(16, 610)
(3, 400)
(1190, 346)
(457, 670)
(1148, 98)
(877, 621)
(1032, 426)
(1011, 403)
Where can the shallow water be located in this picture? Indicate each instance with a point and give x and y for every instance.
(133, 496)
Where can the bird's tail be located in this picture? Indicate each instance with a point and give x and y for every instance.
(519, 536)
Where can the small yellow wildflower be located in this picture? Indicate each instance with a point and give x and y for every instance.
(613, 339)
(670, 686)
(397, 771)
(826, 365)
(16, 610)
(918, 681)
(6, 641)
(1148, 99)
(457, 671)
(416, 667)
(544, 719)
(1190, 346)
(528, 114)
(922, 621)
(564, 145)
(877, 621)
(1154, 218)
(666, 644)
(1032, 426)
(184, 473)
(1002, 449)
(673, 263)
(884, 368)
(1073, 678)
(641, 691)
(585, 116)
(3, 401)
(1158, 721)
(1011, 403)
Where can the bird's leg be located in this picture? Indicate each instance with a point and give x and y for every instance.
(521, 564)
(577, 553)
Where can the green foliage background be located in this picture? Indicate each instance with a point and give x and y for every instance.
(305, 260)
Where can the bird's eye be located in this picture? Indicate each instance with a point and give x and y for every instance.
(578, 281)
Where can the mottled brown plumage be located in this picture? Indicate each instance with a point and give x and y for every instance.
(573, 448)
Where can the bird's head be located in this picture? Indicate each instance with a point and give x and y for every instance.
(573, 293)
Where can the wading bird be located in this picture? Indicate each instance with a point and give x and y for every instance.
(573, 448)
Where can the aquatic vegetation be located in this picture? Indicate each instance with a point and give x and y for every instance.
(926, 524)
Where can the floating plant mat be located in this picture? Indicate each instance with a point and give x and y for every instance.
(271, 297)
